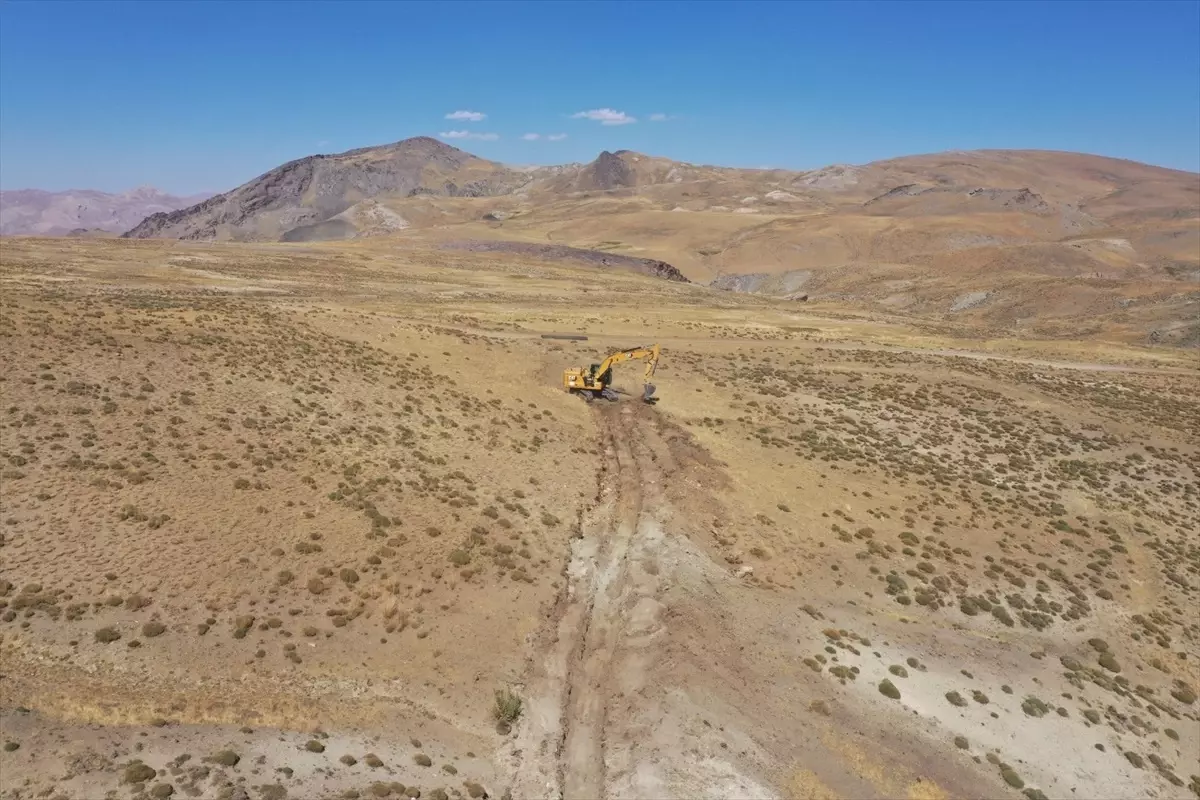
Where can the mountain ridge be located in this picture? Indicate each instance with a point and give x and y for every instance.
(1023, 242)
(287, 201)
(46, 213)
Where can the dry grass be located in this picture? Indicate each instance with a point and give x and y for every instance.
(310, 477)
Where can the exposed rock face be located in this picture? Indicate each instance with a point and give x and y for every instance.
(661, 269)
(783, 283)
(1024, 198)
(609, 171)
(907, 190)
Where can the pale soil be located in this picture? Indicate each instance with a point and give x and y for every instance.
(699, 598)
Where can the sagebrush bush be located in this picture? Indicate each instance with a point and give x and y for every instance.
(507, 707)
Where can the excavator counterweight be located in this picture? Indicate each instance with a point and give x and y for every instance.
(595, 381)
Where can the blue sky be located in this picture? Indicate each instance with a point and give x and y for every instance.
(204, 96)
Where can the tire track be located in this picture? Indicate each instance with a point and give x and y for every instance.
(593, 651)
(609, 537)
(559, 751)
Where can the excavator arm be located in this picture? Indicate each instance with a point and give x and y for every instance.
(648, 352)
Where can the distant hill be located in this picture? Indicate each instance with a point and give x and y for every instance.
(953, 200)
(323, 196)
(33, 211)
(1023, 242)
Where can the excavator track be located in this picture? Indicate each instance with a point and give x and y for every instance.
(577, 680)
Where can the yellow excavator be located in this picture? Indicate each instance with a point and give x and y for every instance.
(595, 381)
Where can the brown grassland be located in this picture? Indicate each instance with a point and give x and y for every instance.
(299, 521)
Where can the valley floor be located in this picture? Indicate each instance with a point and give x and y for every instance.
(281, 521)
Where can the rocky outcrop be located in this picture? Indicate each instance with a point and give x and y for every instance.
(1025, 198)
(157, 225)
(608, 171)
(907, 190)
(781, 284)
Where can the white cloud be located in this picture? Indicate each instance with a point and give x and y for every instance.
(556, 137)
(483, 137)
(660, 117)
(467, 116)
(531, 137)
(549, 137)
(605, 116)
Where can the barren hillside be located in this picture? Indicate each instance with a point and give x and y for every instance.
(1012, 243)
(319, 197)
(317, 521)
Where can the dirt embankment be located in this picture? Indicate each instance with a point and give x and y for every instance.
(558, 252)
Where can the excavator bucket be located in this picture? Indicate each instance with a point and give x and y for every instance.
(647, 392)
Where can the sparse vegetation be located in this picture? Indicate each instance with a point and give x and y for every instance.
(293, 490)
(507, 706)
(1184, 694)
(1011, 777)
(888, 689)
(137, 772)
(1034, 707)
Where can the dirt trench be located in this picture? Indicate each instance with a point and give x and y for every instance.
(615, 583)
(563, 748)
(608, 715)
